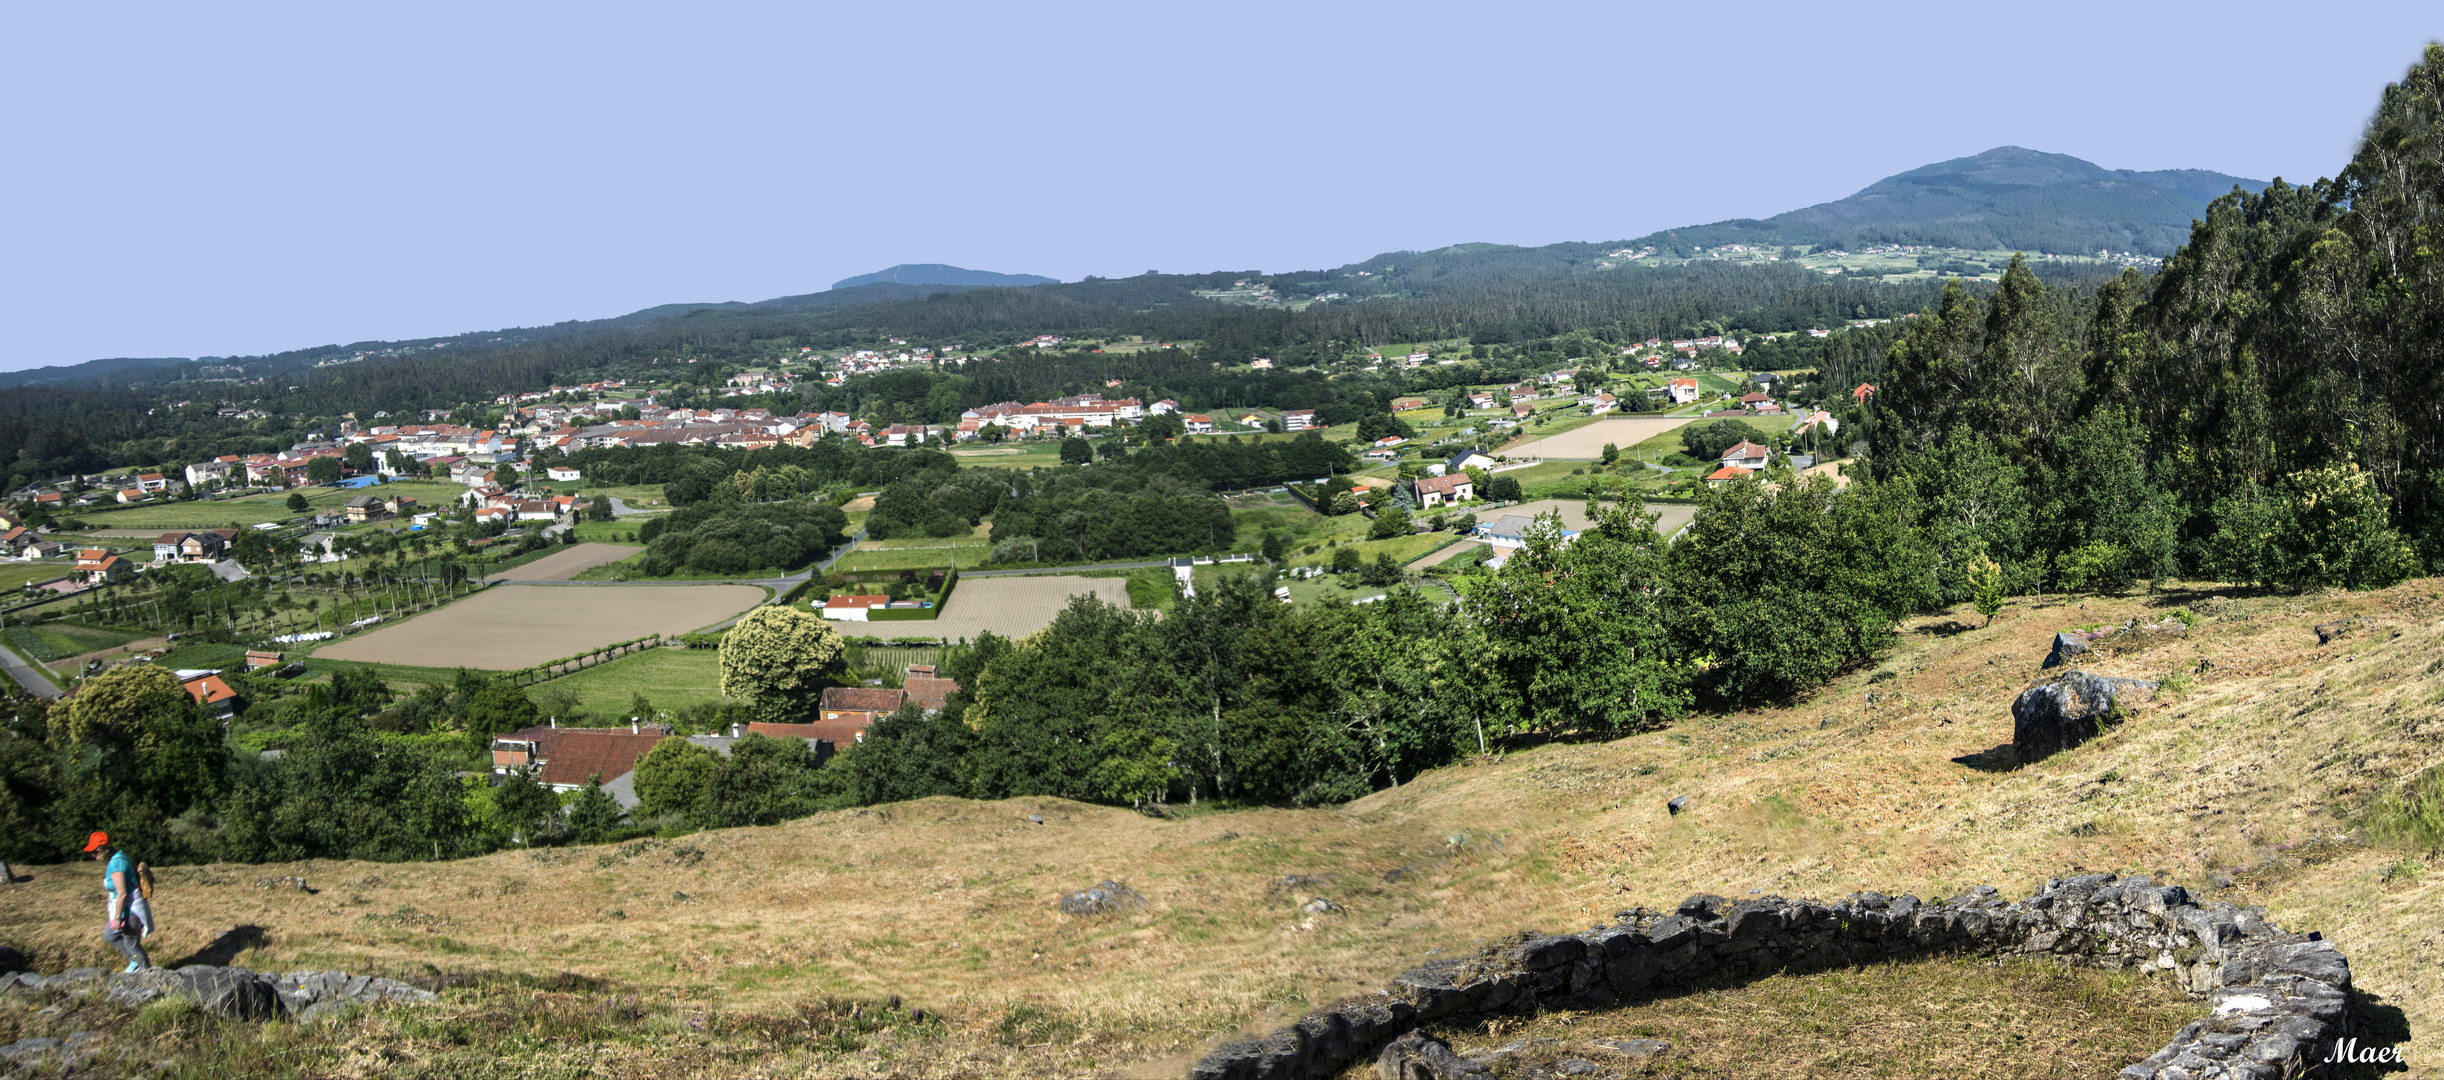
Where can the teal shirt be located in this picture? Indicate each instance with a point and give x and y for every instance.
(119, 864)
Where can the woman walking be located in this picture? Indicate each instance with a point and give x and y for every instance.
(131, 919)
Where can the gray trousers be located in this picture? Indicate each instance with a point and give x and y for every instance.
(129, 937)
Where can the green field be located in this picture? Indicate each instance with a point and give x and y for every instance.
(16, 575)
(256, 509)
(1042, 454)
(1669, 442)
(402, 678)
(912, 558)
(1402, 549)
(670, 678)
(221, 656)
(620, 531)
(59, 641)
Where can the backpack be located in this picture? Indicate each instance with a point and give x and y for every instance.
(144, 881)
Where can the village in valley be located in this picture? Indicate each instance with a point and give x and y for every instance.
(390, 539)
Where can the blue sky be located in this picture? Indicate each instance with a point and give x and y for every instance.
(242, 178)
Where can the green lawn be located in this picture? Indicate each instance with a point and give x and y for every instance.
(1014, 455)
(622, 531)
(636, 496)
(961, 552)
(15, 575)
(1403, 549)
(670, 678)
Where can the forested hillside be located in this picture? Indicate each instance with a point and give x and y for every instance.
(2008, 198)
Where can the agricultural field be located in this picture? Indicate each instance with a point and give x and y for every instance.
(635, 496)
(568, 562)
(1042, 454)
(670, 678)
(1587, 441)
(1668, 442)
(619, 531)
(1009, 606)
(1402, 549)
(915, 554)
(507, 627)
(60, 640)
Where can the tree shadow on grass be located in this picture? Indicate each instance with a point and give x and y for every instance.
(2003, 758)
(224, 949)
(1946, 628)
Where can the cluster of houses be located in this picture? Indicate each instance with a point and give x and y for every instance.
(569, 758)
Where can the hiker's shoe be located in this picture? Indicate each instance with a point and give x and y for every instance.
(133, 967)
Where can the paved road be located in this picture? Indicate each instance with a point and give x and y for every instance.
(621, 509)
(27, 675)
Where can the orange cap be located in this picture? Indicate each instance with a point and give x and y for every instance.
(96, 840)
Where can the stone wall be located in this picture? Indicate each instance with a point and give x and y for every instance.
(2280, 999)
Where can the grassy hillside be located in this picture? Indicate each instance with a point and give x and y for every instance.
(2244, 781)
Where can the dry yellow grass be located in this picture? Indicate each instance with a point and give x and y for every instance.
(1945, 1016)
(2258, 767)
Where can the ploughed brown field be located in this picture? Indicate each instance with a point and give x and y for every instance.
(514, 626)
(1588, 441)
(568, 562)
(1010, 606)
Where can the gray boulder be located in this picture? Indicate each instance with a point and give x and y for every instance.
(2065, 710)
(1419, 1056)
(1105, 898)
(2066, 646)
(1639, 1051)
(234, 993)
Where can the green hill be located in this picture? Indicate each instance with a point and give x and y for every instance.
(2008, 198)
(939, 274)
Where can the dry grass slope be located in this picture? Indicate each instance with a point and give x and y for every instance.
(2252, 773)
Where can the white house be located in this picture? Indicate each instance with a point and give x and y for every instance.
(1747, 455)
(563, 473)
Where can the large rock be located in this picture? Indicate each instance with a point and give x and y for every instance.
(1419, 1056)
(2068, 709)
(2066, 646)
(1104, 899)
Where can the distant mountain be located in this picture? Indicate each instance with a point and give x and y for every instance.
(2008, 198)
(938, 274)
(90, 369)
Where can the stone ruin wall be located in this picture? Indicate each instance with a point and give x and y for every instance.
(2280, 999)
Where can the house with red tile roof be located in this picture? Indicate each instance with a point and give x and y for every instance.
(861, 704)
(210, 692)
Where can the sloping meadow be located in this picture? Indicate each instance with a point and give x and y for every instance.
(2247, 779)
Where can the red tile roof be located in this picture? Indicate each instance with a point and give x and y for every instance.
(209, 690)
(572, 755)
(928, 692)
(841, 733)
(872, 699)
